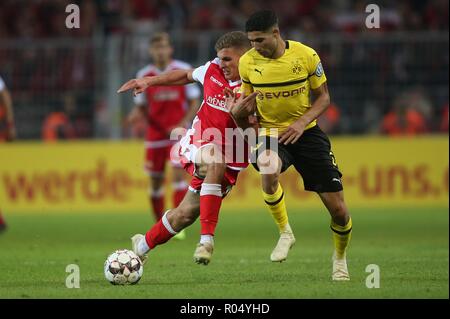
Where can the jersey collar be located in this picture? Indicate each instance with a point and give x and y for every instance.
(165, 69)
(234, 83)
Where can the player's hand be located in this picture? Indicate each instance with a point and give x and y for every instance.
(292, 133)
(138, 86)
(230, 98)
(240, 106)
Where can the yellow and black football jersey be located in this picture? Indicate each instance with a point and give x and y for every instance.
(284, 83)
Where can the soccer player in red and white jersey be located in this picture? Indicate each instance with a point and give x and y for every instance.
(164, 108)
(7, 130)
(213, 173)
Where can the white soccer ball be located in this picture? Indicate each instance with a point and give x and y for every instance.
(123, 267)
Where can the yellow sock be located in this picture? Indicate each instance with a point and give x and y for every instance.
(341, 237)
(275, 203)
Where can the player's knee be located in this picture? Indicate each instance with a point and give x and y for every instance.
(270, 183)
(213, 169)
(200, 170)
(210, 154)
(269, 163)
(208, 159)
(216, 168)
(339, 211)
(270, 188)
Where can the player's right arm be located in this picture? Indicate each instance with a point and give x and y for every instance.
(174, 77)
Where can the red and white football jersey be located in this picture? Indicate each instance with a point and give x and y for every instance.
(213, 119)
(167, 105)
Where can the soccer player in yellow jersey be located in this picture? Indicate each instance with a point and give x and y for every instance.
(284, 73)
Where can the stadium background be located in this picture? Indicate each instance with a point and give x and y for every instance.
(393, 183)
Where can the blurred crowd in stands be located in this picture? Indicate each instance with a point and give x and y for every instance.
(412, 81)
(45, 18)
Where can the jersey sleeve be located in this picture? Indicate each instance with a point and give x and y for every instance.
(192, 90)
(246, 86)
(315, 70)
(140, 99)
(199, 73)
(2, 85)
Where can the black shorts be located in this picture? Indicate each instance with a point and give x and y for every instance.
(311, 156)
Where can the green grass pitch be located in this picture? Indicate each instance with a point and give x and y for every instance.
(410, 246)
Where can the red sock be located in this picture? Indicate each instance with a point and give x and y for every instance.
(179, 190)
(157, 203)
(210, 202)
(158, 234)
(2, 221)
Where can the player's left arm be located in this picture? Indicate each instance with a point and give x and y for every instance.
(320, 104)
(319, 88)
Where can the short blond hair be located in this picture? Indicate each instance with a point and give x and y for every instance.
(234, 39)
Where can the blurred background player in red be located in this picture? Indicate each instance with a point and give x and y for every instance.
(165, 108)
(7, 128)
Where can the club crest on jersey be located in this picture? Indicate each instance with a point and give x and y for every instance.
(260, 95)
(319, 70)
(296, 68)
